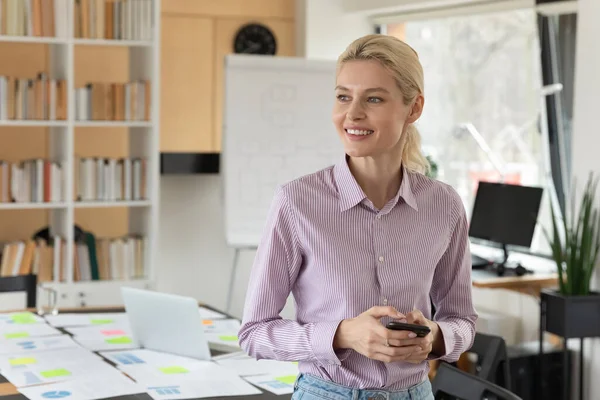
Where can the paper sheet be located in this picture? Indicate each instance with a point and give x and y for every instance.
(21, 318)
(8, 346)
(221, 326)
(101, 331)
(170, 373)
(97, 387)
(24, 331)
(201, 388)
(27, 369)
(205, 313)
(73, 319)
(112, 342)
(244, 365)
(153, 358)
(274, 383)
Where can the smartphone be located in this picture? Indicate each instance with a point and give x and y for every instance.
(420, 330)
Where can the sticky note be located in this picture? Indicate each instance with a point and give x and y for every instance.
(207, 322)
(173, 370)
(102, 321)
(16, 335)
(289, 379)
(230, 338)
(119, 340)
(54, 373)
(23, 318)
(113, 332)
(23, 361)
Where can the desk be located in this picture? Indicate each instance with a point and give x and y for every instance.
(531, 284)
(9, 392)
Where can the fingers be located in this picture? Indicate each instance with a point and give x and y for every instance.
(384, 311)
(416, 317)
(393, 354)
(408, 342)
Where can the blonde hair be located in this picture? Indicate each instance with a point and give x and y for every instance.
(403, 63)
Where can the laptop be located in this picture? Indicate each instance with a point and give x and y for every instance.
(166, 322)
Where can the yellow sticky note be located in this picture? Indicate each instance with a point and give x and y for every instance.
(230, 338)
(119, 340)
(289, 379)
(102, 321)
(55, 373)
(23, 361)
(16, 335)
(173, 370)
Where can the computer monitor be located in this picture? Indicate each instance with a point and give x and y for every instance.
(505, 214)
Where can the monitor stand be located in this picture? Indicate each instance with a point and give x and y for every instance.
(501, 266)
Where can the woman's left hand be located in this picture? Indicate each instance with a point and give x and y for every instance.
(426, 343)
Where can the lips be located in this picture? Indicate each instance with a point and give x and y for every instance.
(359, 132)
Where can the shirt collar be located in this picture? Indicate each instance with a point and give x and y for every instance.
(352, 194)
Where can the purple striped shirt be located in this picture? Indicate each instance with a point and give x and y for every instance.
(325, 242)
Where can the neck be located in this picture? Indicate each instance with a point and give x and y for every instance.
(379, 177)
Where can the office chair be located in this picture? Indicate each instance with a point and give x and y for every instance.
(451, 383)
(21, 283)
(492, 357)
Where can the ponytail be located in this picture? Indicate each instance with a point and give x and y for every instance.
(412, 157)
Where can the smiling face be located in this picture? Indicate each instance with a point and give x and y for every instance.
(370, 113)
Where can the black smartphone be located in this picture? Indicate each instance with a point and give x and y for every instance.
(420, 330)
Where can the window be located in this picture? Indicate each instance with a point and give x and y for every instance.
(483, 97)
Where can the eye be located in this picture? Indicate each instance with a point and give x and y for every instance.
(342, 97)
(375, 100)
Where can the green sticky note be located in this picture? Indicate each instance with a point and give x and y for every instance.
(231, 338)
(55, 373)
(289, 379)
(119, 340)
(173, 370)
(23, 318)
(102, 321)
(16, 335)
(23, 361)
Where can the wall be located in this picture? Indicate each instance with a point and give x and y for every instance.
(193, 257)
(586, 140)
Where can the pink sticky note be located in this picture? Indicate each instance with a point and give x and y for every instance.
(115, 332)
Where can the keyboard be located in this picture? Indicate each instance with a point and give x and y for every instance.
(479, 262)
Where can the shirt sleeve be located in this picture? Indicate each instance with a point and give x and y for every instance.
(451, 291)
(263, 333)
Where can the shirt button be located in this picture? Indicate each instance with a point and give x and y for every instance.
(378, 217)
(381, 258)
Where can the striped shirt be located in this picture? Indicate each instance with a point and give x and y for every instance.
(326, 243)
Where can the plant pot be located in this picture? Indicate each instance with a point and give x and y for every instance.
(571, 316)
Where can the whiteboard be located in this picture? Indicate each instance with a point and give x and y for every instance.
(277, 127)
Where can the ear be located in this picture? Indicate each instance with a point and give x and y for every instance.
(416, 110)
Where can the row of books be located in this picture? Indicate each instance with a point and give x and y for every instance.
(37, 98)
(94, 258)
(114, 19)
(34, 18)
(110, 179)
(29, 181)
(113, 101)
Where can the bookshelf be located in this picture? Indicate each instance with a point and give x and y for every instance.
(130, 30)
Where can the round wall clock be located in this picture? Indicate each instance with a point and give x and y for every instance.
(255, 39)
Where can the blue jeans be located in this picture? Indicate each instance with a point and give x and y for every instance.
(309, 387)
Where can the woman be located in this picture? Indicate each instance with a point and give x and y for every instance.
(368, 240)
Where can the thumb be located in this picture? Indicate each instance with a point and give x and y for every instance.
(384, 311)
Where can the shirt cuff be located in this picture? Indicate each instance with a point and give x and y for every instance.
(322, 344)
(448, 338)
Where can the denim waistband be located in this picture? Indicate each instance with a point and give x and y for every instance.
(334, 391)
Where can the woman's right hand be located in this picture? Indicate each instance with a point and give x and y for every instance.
(366, 335)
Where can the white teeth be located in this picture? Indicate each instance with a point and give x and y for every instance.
(358, 132)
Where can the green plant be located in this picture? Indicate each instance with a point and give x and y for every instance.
(576, 250)
(432, 172)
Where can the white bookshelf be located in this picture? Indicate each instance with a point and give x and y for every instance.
(143, 137)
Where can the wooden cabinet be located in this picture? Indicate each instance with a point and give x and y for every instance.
(196, 36)
(187, 89)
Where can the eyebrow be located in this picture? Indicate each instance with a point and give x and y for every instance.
(375, 89)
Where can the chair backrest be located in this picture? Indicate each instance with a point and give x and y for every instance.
(21, 283)
(493, 364)
(451, 383)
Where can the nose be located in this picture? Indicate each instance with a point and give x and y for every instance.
(355, 111)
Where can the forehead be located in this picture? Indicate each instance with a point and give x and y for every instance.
(362, 75)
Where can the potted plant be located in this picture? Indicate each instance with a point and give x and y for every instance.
(573, 310)
(432, 172)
